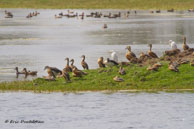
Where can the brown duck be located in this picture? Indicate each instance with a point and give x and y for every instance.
(101, 62)
(67, 67)
(130, 55)
(83, 63)
(150, 53)
(33, 73)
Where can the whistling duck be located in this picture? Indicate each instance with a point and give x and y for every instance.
(53, 71)
(76, 72)
(66, 76)
(72, 66)
(101, 62)
(105, 26)
(8, 14)
(170, 10)
(190, 10)
(58, 16)
(118, 79)
(83, 63)
(122, 71)
(154, 67)
(151, 11)
(158, 11)
(33, 73)
(130, 55)
(150, 53)
(67, 67)
(110, 63)
(173, 66)
(17, 71)
(114, 55)
(185, 46)
(143, 57)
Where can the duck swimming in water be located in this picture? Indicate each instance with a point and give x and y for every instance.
(33, 73)
(101, 62)
(150, 53)
(17, 72)
(83, 63)
(130, 55)
(67, 67)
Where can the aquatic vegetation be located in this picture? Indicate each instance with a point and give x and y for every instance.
(99, 4)
(136, 78)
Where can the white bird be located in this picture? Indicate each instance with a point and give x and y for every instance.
(110, 63)
(172, 44)
(114, 55)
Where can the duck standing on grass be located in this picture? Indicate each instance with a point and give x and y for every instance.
(130, 55)
(72, 64)
(101, 62)
(67, 67)
(150, 53)
(83, 63)
(65, 74)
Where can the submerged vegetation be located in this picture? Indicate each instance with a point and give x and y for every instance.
(99, 4)
(136, 78)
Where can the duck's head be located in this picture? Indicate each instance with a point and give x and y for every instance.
(46, 67)
(128, 47)
(150, 45)
(67, 58)
(72, 60)
(16, 68)
(83, 56)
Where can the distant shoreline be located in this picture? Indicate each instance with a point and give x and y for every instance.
(100, 4)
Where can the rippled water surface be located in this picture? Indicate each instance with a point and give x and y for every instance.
(98, 110)
(43, 40)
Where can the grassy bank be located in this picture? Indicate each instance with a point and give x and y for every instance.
(99, 4)
(137, 78)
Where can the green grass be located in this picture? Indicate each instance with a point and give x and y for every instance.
(136, 79)
(99, 4)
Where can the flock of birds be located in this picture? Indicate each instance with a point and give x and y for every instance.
(175, 56)
(72, 14)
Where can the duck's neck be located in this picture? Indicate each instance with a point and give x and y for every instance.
(83, 58)
(72, 62)
(67, 62)
(184, 40)
(150, 48)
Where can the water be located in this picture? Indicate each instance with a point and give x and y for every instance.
(43, 40)
(98, 110)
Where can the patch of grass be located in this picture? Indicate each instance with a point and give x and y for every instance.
(136, 79)
(99, 4)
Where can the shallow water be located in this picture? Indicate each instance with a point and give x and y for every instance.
(43, 40)
(98, 110)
